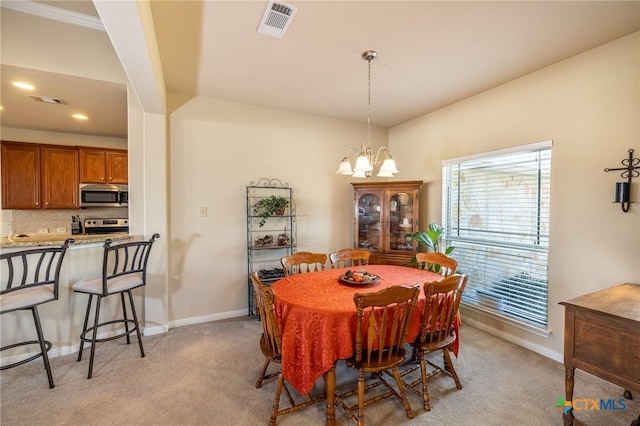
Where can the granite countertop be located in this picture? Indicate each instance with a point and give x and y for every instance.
(35, 240)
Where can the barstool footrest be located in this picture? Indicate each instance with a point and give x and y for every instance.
(85, 339)
(47, 345)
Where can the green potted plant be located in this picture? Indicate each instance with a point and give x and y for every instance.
(266, 207)
(431, 239)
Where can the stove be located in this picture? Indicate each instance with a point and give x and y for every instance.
(105, 226)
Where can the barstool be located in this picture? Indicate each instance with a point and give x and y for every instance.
(30, 278)
(124, 268)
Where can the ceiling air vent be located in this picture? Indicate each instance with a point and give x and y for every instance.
(276, 19)
(47, 99)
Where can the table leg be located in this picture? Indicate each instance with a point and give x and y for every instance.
(331, 395)
(627, 394)
(567, 417)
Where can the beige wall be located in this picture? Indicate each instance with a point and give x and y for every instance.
(589, 106)
(217, 149)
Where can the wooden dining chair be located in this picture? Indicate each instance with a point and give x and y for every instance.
(349, 257)
(302, 262)
(437, 262)
(30, 278)
(381, 329)
(271, 347)
(437, 332)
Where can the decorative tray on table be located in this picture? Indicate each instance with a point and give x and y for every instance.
(358, 278)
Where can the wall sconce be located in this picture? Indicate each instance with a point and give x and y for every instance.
(623, 189)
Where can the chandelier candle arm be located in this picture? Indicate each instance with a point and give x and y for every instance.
(365, 160)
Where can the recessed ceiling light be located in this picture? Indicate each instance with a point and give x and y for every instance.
(80, 116)
(23, 85)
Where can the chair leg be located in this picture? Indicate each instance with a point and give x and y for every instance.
(137, 324)
(94, 337)
(262, 373)
(43, 348)
(403, 394)
(84, 326)
(360, 397)
(276, 402)
(425, 389)
(124, 315)
(448, 365)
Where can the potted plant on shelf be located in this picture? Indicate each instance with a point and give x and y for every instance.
(273, 205)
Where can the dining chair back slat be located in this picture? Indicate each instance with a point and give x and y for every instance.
(349, 257)
(437, 262)
(303, 262)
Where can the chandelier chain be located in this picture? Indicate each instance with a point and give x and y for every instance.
(369, 104)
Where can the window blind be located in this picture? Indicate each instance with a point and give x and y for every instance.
(496, 215)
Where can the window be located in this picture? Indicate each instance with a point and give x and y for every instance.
(496, 214)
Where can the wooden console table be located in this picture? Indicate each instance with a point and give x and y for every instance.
(602, 337)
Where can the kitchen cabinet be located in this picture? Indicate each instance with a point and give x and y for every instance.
(268, 238)
(385, 217)
(103, 166)
(59, 178)
(38, 176)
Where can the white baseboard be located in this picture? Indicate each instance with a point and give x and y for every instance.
(151, 331)
(207, 318)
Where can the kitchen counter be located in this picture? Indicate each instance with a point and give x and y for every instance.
(35, 240)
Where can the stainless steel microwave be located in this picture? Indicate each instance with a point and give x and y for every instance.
(103, 195)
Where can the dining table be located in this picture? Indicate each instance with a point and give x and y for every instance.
(317, 318)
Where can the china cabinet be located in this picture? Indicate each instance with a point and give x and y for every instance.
(38, 176)
(269, 236)
(385, 217)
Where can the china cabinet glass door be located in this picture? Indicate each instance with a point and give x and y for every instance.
(401, 221)
(369, 221)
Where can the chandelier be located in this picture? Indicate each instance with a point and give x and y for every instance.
(366, 160)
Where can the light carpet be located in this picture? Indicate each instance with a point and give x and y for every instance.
(205, 375)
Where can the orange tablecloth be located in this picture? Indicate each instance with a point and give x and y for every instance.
(317, 317)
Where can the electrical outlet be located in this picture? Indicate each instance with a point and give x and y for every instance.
(43, 231)
(7, 225)
(61, 230)
(203, 212)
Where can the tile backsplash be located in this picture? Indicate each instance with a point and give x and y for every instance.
(32, 221)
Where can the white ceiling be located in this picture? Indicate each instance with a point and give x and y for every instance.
(431, 53)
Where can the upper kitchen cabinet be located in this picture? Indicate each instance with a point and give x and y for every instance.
(386, 215)
(103, 166)
(39, 176)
